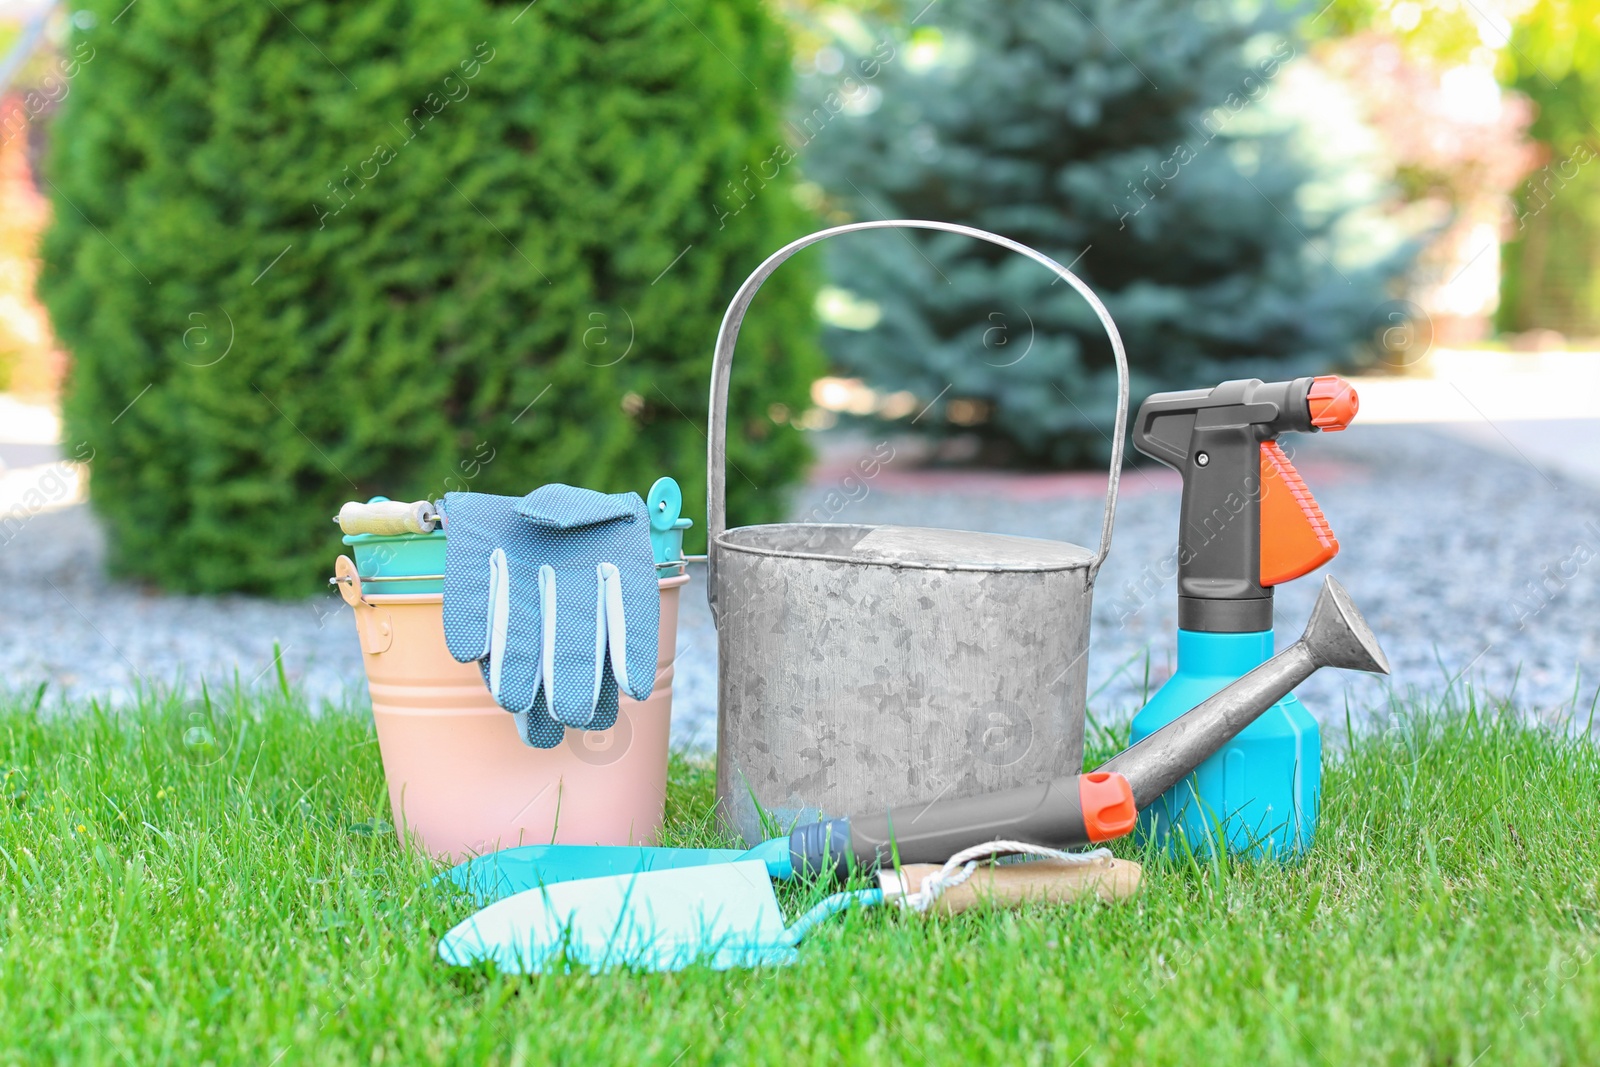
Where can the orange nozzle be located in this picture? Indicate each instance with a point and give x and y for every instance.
(1108, 808)
(1333, 402)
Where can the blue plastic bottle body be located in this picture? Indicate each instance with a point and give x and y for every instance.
(1260, 792)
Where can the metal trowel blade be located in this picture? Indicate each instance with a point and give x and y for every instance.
(722, 915)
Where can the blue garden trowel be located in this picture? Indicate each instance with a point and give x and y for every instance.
(726, 915)
(1078, 809)
(722, 914)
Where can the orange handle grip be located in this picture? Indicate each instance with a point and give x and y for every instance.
(1108, 808)
(1295, 536)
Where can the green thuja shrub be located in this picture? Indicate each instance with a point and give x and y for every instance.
(306, 252)
(1129, 139)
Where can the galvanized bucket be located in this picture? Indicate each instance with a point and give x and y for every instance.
(871, 666)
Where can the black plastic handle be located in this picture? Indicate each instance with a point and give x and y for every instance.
(1212, 437)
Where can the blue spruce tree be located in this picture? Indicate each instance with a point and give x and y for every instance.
(1125, 140)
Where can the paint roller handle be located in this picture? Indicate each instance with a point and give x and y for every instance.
(1079, 809)
(387, 518)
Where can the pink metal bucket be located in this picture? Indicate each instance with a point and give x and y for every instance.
(462, 783)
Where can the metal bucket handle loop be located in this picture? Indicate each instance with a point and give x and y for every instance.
(728, 337)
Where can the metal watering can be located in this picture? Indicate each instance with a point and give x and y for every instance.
(866, 667)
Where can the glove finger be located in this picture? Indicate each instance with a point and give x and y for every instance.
(641, 601)
(613, 627)
(517, 659)
(573, 668)
(478, 525)
(605, 706)
(633, 627)
(538, 729)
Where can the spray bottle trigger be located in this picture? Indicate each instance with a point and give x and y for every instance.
(1295, 536)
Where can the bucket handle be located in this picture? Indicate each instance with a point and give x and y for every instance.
(728, 337)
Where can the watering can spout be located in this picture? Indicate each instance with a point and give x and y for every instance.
(1336, 636)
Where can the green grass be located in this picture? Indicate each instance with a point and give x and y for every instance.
(173, 896)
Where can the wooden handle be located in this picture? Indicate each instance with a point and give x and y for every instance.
(1040, 881)
(387, 517)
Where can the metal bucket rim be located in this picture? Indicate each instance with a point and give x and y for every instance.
(895, 564)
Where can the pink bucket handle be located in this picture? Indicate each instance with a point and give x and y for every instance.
(728, 337)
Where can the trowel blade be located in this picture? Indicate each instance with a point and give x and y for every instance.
(722, 915)
(498, 875)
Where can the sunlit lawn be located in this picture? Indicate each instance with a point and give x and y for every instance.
(171, 902)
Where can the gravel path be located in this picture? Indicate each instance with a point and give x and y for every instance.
(1465, 561)
(1471, 565)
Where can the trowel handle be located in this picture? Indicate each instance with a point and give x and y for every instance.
(1037, 882)
(1079, 809)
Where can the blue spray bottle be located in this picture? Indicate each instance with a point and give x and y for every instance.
(1248, 524)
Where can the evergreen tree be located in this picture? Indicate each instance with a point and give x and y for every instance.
(1120, 137)
(306, 252)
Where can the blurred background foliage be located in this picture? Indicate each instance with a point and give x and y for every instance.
(30, 360)
(1552, 255)
(1136, 141)
(1426, 155)
(1442, 30)
(457, 245)
(1546, 221)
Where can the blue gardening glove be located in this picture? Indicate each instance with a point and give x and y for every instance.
(599, 600)
(491, 604)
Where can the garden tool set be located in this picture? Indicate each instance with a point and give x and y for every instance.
(662, 909)
(931, 681)
(1072, 810)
